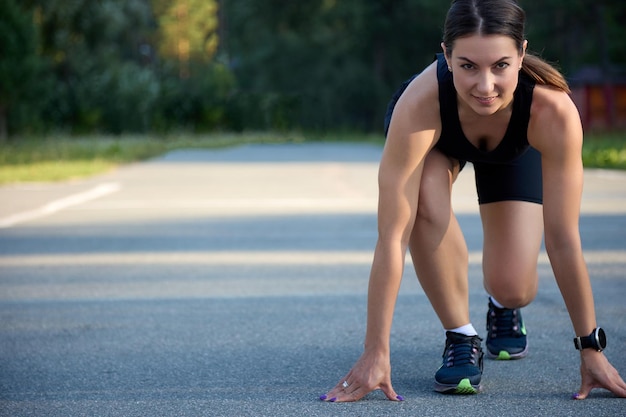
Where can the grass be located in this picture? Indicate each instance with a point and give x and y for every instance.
(59, 158)
(62, 157)
(605, 151)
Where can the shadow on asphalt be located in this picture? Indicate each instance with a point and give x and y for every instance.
(266, 233)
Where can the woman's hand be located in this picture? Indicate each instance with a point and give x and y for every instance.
(597, 372)
(372, 371)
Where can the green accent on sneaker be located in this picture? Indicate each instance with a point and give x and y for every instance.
(506, 334)
(465, 388)
(503, 356)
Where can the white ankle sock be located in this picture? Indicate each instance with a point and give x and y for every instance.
(495, 303)
(467, 330)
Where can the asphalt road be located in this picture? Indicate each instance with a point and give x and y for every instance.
(233, 283)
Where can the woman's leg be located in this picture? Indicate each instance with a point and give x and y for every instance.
(440, 258)
(510, 198)
(512, 239)
(437, 245)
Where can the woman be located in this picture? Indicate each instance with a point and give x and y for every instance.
(487, 101)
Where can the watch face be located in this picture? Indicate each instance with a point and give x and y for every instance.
(600, 338)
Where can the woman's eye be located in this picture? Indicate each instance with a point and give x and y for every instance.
(467, 66)
(502, 65)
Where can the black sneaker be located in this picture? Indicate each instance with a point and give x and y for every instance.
(506, 333)
(462, 366)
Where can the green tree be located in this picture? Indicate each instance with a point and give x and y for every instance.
(141, 65)
(187, 31)
(576, 33)
(197, 88)
(100, 52)
(336, 62)
(20, 67)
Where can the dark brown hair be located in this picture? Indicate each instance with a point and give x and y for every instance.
(498, 17)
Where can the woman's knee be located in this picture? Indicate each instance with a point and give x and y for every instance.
(432, 211)
(512, 291)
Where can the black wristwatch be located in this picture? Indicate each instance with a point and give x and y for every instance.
(596, 340)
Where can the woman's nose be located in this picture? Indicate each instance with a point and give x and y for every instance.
(485, 83)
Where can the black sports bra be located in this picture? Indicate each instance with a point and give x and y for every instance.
(453, 142)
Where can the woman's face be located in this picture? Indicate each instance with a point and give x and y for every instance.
(485, 70)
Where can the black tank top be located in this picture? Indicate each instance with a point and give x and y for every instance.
(453, 142)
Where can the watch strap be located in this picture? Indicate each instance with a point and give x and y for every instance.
(596, 340)
(583, 342)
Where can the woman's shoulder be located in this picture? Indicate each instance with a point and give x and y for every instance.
(420, 100)
(547, 99)
(552, 114)
(425, 84)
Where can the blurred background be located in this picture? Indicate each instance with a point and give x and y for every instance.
(156, 66)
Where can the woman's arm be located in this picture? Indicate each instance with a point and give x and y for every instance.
(412, 133)
(399, 183)
(555, 130)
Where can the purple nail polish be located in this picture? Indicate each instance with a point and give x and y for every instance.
(399, 398)
(332, 400)
(323, 397)
(575, 396)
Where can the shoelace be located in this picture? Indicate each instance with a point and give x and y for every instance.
(460, 354)
(504, 323)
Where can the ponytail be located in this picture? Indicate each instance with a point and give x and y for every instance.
(543, 73)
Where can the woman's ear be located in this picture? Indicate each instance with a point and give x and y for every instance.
(524, 46)
(445, 54)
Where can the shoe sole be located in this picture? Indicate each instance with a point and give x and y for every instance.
(503, 355)
(462, 388)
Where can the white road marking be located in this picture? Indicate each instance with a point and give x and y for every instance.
(60, 204)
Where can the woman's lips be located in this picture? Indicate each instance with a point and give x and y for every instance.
(485, 100)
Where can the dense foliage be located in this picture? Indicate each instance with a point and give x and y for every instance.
(114, 66)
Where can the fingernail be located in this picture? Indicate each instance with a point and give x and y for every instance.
(399, 398)
(323, 397)
(332, 400)
(575, 396)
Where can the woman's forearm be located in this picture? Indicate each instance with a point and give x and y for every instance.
(572, 278)
(384, 284)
